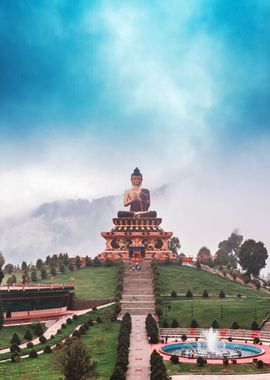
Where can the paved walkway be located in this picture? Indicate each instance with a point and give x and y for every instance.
(54, 327)
(139, 352)
(257, 376)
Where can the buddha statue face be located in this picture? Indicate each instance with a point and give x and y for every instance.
(136, 180)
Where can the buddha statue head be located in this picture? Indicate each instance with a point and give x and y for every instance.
(136, 177)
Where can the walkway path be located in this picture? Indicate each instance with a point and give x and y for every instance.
(139, 352)
(53, 328)
(138, 300)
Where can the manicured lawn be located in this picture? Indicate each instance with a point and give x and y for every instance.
(90, 282)
(252, 305)
(214, 369)
(225, 311)
(100, 338)
(7, 332)
(181, 278)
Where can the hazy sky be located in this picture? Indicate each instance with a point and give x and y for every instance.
(91, 89)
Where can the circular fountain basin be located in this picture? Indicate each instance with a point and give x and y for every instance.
(193, 350)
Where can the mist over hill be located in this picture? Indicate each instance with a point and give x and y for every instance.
(72, 226)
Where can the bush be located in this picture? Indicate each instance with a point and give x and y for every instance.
(165, 324)
(15, 357)
(47, 350)
(15, 339)
(152, 329)
(63, 326)
(117, 308)
(200, 361)
(173, 294)
(194, 324)
(222, 294)
(260, 364)
(42, 339)
(256, 340)
(174, 323)
(159, 311)
(239, 295)
(58, 331)
(94, 308)
(183, 337)
(225, 361)
(38, 329)
(230, 339)
(98, 319)
(90, 322)
(205, 294)
(189, 294)
(69, 321)
(30, 345)
(174, 359)
(82, 330)
(235, 326)
(76, 334)
(33, 354)
(52, 336)
(75, 317)
(215, 324)
(28, 335)
(254, 326)
(14, 348)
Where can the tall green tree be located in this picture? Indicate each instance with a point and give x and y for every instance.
(174, 245)
(2, 260)
(43, 273)
(34, 277)
(252, 257)
(9, 268)
(73, 360)
(78, 262)
(24, 266)
(39, 264)
(204, 255)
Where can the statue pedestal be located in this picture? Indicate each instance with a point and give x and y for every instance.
(137, 239)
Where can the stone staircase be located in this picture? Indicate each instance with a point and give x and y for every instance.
(138, 298)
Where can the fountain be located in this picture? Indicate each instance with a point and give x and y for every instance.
(211, 348)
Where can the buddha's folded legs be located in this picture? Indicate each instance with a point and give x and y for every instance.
(141, 214)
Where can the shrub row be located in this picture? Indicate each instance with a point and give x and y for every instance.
(156, 289)
(152, 329)
(121, 364)
(215, 325)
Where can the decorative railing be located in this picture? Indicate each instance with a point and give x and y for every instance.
(31, 286)
(176, 333)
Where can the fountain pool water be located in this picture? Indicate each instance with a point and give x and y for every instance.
(212, 348)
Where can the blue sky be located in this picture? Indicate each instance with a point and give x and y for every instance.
(89, 90)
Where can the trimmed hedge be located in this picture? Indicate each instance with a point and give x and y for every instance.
(121, 365)
(152, 329)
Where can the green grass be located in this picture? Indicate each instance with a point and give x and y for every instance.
(252, 305)
(225, 311)
(90, 282)
(214, 369)
(100, 338)
(7, 332)
(182, 278)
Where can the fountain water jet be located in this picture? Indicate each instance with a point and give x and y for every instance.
(212, 348)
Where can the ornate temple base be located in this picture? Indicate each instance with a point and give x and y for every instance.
(137, 239)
